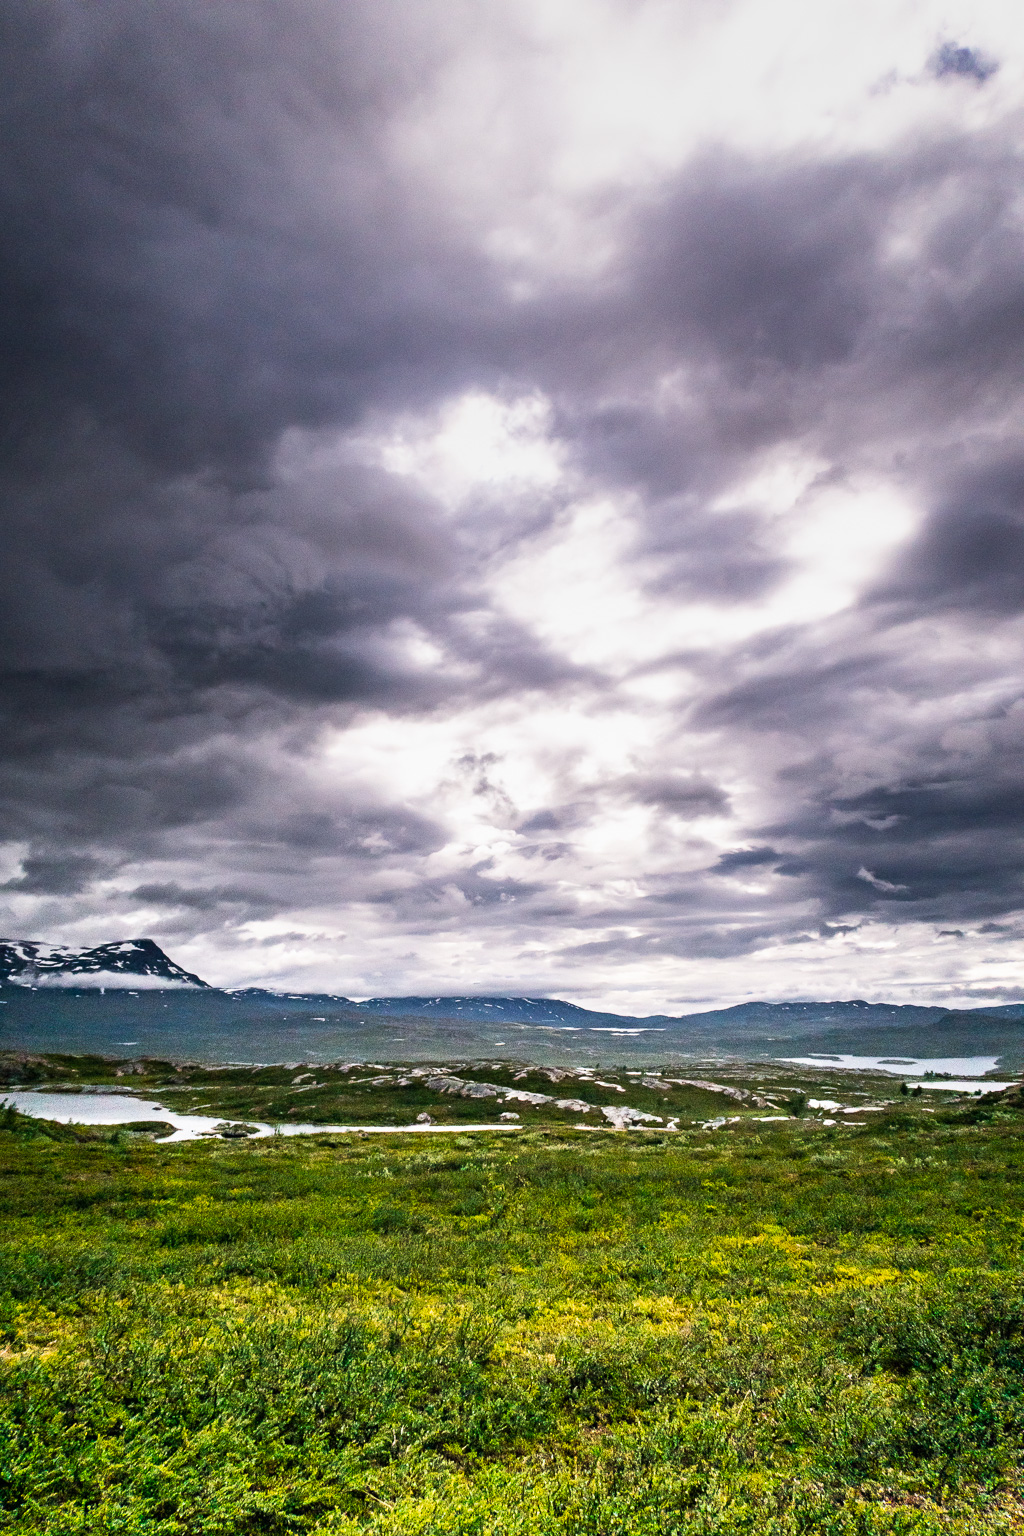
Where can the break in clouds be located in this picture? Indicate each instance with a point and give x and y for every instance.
(516, 497)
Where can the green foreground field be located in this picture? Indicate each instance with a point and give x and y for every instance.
(772, 1328)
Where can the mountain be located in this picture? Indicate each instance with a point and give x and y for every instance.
(492, 1010)
(1001, 1011)
(140, 964)
(755, 1029)
(857, 1008)
(789, 1019)
(133, 963)
(759, 1016)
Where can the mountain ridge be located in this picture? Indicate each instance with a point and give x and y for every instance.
(133, 964)
(554, 1012)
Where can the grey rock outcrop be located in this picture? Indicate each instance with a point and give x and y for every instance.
(464, 1088)
(622, 1117)
(741, 1095)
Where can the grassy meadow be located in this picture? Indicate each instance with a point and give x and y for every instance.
(771, 1328)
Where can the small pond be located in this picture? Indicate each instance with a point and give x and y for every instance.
(106, 1108)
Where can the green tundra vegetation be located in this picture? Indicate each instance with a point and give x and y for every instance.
(774, 1327)
(373, 1095)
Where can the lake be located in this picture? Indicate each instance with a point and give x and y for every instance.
(907, 1066)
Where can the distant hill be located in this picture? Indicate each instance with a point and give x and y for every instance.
(822, 1013)
(132, 963)
(746, 1029)
(551, 1010)
(978, 1018)
(1001, 1011)
(491, 1010)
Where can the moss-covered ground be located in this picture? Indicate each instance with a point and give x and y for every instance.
(772, 1328)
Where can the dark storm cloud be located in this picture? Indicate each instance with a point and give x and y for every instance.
(920, 810)
(746, 858)
(953, 60)
(60, 875)
(704, 941)
(678, 794)
(766, 269)
(970, 553)
(209, 263)
(544, 821)
(371, 834)
(757, 279)
(202, 899)
(928, 852)
(778, 290)
(172, 264)
(202, 248)
(723, 557)
(787, 698)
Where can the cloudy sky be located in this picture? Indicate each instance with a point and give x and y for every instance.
(520, 496)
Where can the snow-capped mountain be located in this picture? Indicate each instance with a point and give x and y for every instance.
(133, 964)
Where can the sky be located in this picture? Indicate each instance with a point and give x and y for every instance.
(517, 497)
